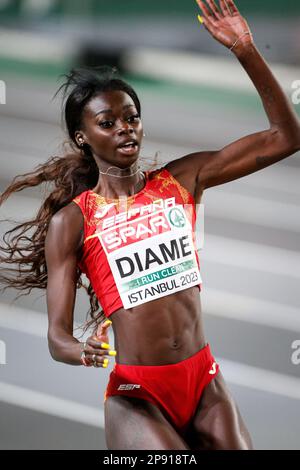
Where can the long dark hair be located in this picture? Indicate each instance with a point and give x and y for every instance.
(69, 175)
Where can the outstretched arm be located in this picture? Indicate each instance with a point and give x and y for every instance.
(255, 151)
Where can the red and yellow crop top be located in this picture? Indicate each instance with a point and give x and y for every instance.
(142, 247)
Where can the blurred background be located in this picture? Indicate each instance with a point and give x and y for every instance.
(195, 96)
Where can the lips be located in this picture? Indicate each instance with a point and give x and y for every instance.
(129, 149)
(126, 143)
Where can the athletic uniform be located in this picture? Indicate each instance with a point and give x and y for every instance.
(137, 249)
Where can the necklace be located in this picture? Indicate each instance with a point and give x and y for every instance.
(144, 178)
(135, 165)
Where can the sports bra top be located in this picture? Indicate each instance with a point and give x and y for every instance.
(142, 247)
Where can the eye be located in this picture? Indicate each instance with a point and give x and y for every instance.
(135, 116)
(105, 124)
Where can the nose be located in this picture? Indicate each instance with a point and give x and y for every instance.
(125, 126)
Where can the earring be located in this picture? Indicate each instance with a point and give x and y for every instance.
(144, 134)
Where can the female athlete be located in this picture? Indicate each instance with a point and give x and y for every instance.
(131, 233)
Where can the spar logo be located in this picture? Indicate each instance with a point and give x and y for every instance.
(176, 218)
(136, 230)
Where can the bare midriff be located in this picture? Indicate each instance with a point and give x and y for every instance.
(162, 331)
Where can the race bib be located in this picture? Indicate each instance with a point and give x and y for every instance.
(150, 251)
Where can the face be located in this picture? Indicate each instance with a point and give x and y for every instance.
(109, 120)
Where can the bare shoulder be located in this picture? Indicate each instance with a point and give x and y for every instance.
(187, 171)
(67, 227)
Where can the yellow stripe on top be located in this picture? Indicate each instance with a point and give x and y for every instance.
(91, 236)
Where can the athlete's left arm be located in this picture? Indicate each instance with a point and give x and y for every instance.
(255, 151)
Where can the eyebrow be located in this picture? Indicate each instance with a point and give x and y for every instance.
(110, 110)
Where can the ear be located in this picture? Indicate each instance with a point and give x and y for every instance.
(80, 139)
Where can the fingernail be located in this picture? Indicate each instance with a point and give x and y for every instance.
(112, 353)
(105, 346)
(108, 322)
(200, 19)
(105, 361)
(104, 365)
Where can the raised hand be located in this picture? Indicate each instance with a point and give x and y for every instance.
(226, 24)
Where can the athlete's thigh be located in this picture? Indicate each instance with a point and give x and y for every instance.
(133, 423)
(217, 423)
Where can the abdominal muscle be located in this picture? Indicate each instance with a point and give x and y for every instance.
(162, 331)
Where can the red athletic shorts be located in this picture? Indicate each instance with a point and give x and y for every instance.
(174, 388)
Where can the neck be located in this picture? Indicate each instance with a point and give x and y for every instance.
(115, 182)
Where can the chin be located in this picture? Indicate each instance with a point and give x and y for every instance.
(127, 160)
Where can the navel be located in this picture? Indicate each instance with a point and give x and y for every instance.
(175, 344)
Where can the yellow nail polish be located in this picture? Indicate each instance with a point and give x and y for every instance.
(107, 322)
(104, 365)
(200, 19)
(112, 353)
(105, 346)
(105, 361)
